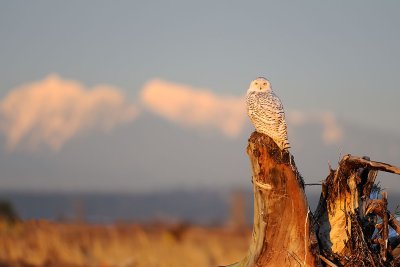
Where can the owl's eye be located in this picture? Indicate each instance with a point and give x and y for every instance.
(265, 83)
(256, 83)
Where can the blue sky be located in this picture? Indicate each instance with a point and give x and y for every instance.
(317, 54)
(339, 57)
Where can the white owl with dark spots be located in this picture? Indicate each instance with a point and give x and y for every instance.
(265, 110)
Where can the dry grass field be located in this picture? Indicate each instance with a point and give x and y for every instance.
(43, 243)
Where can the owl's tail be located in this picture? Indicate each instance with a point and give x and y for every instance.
(285, 145)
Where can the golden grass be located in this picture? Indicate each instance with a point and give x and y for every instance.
(42, 243)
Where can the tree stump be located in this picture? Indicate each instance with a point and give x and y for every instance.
(350, 226)
(282, 232)
(347, 216)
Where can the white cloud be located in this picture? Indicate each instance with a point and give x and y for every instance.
(196, 108)
(332, 131)
(52, 111)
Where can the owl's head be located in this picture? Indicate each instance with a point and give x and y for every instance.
(260, 85)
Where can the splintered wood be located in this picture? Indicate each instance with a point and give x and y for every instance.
(350, 226)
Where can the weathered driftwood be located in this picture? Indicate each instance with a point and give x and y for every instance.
(351, 228)
(282, 230)
(346, 217)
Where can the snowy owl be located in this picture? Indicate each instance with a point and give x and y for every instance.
(266, 112)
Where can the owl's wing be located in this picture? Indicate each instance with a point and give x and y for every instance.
(271, 111)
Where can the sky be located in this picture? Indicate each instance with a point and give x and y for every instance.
(148, 95)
